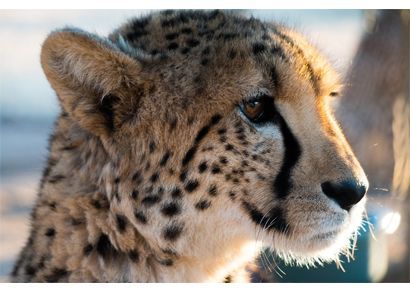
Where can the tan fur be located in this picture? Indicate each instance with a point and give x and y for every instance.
(136, 106)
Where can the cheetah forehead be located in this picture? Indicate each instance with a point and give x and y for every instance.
(200, 40)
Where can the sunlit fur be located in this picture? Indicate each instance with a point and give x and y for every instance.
(154, 175)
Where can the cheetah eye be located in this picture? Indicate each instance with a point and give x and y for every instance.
(252, 109)
(334, 94)
(258, 109)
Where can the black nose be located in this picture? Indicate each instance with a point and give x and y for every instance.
(346, 193)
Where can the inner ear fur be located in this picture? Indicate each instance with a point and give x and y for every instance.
(90, 76)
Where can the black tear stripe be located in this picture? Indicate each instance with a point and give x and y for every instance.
(283, 182)
(199, 137)
(274, 220)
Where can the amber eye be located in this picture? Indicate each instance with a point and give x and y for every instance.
(253, 109)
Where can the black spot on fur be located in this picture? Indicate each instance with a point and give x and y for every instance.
(104, 247)
(56, 275)
(169, 251)
(172, 232)
(56, 178)
(191, 185)
(215, 119)
(228, 36)
(202, 205)
(192, 42)
(135, 35)
(183, 176)
(168, 22)
(173, 124)
(134, 194)
(154, 51)
(190, 118)
(229, 147)
(213, 191)
(76, 222)
(96, 204)
(202, 133)
(30, 271)
(176, 193)
(189, 155)
(136, 176)
(186, 31)
(206, 51)
(166, 262)
(171, 36)
(150, 200)
(134, 255)
(221, 131)
(197, 79)
(147, 166)
(88, 249)
(202, 167)
(51, 232)
(154, 177)
(232, 54)
(152, 147)
(140, 217)
(52, 206)
(278, 51)
(258, 48)
(173, 46)
(241, 137)
(171, 209)
(40, 264)
(215, 169)
(223, 160)
(204, 62)
(185, 51)
(164, 159)
(121, 223)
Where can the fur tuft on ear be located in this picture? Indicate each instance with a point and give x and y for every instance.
(90, 75)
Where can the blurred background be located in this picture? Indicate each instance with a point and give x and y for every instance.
(369, 48)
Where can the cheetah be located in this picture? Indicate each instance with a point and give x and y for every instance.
(186, 141)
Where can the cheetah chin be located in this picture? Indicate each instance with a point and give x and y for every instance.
(310, 249)
(186, 141)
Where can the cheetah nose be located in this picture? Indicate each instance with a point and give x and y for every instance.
(346, 193)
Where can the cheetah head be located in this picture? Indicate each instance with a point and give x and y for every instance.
(218, 134)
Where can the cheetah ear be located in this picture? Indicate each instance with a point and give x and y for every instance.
(90, 76)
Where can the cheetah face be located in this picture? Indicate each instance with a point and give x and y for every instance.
(217, 135)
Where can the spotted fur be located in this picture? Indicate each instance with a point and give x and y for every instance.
(154, 173)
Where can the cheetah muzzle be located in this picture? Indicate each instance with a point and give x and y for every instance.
(186, 140)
